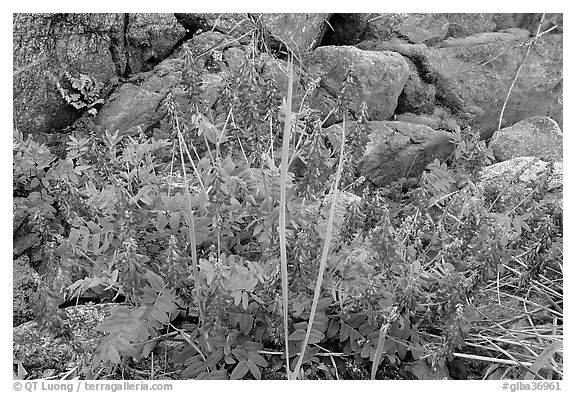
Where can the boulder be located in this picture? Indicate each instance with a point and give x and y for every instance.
(512, 34)
(150, 39)
(414, 28)
(217, 59)
(439, 120)
(350, 29)
(480, 70)
(378, 79)
(522, 169)
(465, 24)
(300, 32)
(400, 150)
(138, 103)
(537, 136)
(128, 108)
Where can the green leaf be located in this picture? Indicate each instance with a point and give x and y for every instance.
(124, 346)
(315, 336)
(165, 302)
(245, 300)
(239, 371)
(333, 328)
(111, 325)
(297, 335)
(155, 281)
(112, 354)
(214, 375)
(161, 221)
(240, 353)
(237, 297)
(175, 221)
(245, 321)
(96, 244)
(254, 369)
(543, 359)
(215, 358)
(159, 315)
(193, 369)
(256, 358)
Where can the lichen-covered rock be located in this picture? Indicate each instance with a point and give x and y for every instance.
(512, 34)
(465, 24)
(214, 58)
(104, 47)
(25, 283)
(350, 29)
(537, 136)
(39, 350)
(472, 76)
(130, 107)
(47, 45)
(379, 78)
(475, 76)
(138, 103)
(151, 38)
(300, 32)
(523, 169)
(514, 181)
(439, 120)
(414, 28)
(401, 150)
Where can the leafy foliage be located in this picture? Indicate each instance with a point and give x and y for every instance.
(186, 229)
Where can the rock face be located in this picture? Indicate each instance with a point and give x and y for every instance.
(151, 38)
(479, 90)
(472, 75)
(45, 45)
(398, 149)
(537, 136)
(426, 29)
(101, 46)
(300, 32)
(379, 78)
(138, 104)
(350, 29)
